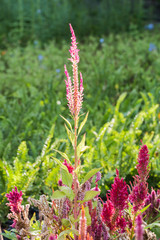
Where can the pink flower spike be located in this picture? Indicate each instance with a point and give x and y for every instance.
(69, 91)
(74, 92)
(139, 228)
(81, 83)
(73, 49)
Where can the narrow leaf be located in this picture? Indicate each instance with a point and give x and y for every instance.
(70, 135)
(83, 123)
(64, 155)
(90, 174)
(69, 124)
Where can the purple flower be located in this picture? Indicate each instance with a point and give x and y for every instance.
(152, 47)
(150, 26)
(139, 228)
(58, 70)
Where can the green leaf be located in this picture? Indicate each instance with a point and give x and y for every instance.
(64, 155)
(81, 147)
(145, 208)
(89, 195)
(9, 234)
(87, 215)
(58, 194)
(67, 232)
(68, 192)
(66, 222)
(69, 124)
(90, 174)
(152, 225)
(70, 135)
(67, 177)
(83, 123)
(119, 101)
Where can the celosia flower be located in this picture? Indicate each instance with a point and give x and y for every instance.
(154, 200)
(98, 177)
(107, 213)
(138, 194)
(15, 200)
(74, 92)
(52, 237)
(70, 168)
(143, 161)
(121, 223)
(139, 228)
(82, 226)
(140, 187)
(119, 193)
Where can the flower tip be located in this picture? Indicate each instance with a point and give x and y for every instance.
(117, 173)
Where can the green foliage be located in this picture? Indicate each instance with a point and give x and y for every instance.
(123, 77)
(23, 21)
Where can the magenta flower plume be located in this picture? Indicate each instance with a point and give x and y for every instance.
(15, 200)
(107, 213)
(140, 186)
(119, 193)
(70, 168)
(139, 228)
(52, 237)
(138, 194)
(153, 210)
(143, 161)
(74, 92)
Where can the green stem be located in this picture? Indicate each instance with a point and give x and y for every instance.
(75, 175)
(132, 231)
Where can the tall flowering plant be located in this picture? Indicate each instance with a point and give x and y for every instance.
(76, 210)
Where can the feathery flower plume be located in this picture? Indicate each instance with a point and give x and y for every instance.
(15, 200)
(83, 226)
(143, 161)
(52, 237)
(119, 193)
(140, 186)
(74, 92)
(107, 213)
(139, 228)
(152, 211)
(69, 167)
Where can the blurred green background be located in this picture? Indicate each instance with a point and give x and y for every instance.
(119, 42)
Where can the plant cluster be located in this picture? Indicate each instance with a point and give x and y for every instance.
(75, 210)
